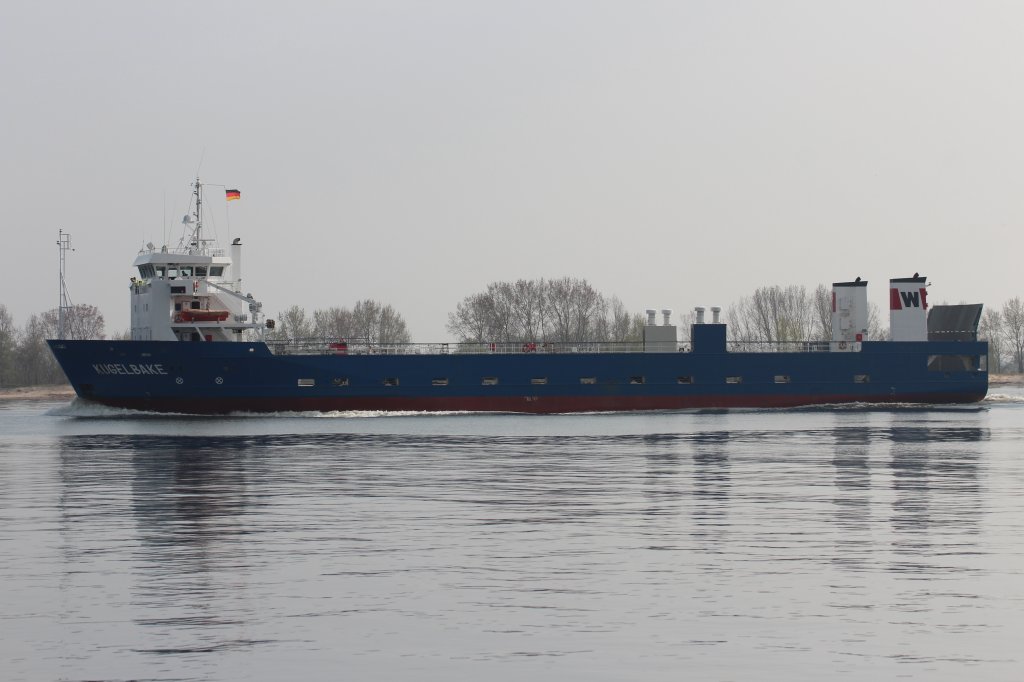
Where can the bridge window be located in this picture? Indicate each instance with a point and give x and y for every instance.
(200, 271)
(216, 270)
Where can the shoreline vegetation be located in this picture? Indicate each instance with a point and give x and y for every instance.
(65, 392)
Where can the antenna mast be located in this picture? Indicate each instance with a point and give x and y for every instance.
(199, 216)
(64, 310)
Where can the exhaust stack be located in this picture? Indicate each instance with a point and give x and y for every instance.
(849, 313)
(908, 308)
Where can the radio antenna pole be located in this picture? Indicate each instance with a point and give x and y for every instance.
(64, 310)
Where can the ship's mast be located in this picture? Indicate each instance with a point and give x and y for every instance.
(199, 216)
(64, 309)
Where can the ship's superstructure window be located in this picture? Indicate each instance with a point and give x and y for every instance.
(200, 271)
(539, 381)
(185, 271)
(861, 378)
(307, 382)
(172, 271)
(588, 380)
(637, 379)
(489, 381)
(337, 381)
(734, 380)
(391, 381)
(439, 381)
(161, 271)
(782, 378)
(216, 270)
(684, 380)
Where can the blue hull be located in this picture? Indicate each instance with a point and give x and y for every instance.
(217, 378)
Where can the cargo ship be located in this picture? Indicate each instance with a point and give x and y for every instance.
(198, 346)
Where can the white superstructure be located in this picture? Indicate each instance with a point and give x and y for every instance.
(192, 292)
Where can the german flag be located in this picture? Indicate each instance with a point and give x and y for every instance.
(233, 194)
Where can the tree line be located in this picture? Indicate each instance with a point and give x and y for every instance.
(545, 310)
(367, 322)
(25, 359)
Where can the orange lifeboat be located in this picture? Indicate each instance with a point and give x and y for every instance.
(202, 315)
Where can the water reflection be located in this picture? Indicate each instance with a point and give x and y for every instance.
(178, 508)
(711, 483)
(852, 495)
(937, 494)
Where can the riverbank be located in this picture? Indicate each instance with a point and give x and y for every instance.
(54, 392)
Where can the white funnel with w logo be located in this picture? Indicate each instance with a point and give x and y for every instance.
(908, 308)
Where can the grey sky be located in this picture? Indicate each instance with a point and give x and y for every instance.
(672, 153)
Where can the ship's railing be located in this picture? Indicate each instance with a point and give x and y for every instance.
(359, 347)
(778, 346)
(356, 347)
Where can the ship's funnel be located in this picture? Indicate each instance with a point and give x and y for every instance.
(908, 308)
(849, 312)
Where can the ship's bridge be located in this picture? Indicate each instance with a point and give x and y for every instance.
(167, 264)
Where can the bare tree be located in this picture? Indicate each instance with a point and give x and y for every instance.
(292, 324)
(376, 323)
(1013, 330)
(8, 345)
(991, 329)
(529, 302)
(822, 302)
(622, 325)
(471, 321)
(575, 308)
(332, 323)
(565, 309)
(82, 321)
(35, 363)
(776, 314)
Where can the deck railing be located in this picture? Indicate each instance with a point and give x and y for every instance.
(357, 347)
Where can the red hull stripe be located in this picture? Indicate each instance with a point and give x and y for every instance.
(521, 404)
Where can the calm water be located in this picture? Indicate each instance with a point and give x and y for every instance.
(855, 543)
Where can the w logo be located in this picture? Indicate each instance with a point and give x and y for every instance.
(898, 300)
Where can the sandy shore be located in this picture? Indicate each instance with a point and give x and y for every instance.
(55, 392)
